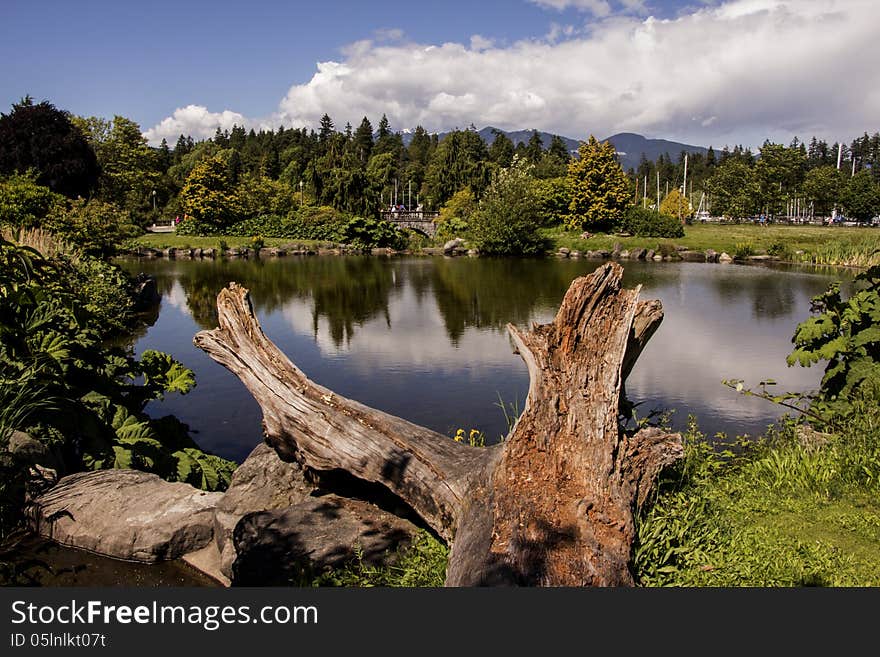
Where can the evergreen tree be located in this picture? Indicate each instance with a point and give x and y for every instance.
(600, 191)
(363, 141)
(501, 151)
(326, 130)
(535, 148)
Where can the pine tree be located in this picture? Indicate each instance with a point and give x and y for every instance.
(535, 148)
(363, 141)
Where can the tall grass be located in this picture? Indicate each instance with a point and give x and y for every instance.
(856, 251)
(780, 512)
(47, 243)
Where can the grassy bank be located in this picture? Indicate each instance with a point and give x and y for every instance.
(821, 245)
(174, 241)
(786, 513)
(825, 245)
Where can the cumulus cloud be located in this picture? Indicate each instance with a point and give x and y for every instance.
(194, 120)
(735, 72)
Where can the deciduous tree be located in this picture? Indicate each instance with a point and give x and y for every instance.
(43, 138)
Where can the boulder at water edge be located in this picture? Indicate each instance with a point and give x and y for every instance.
(262, 482)
(126, 514)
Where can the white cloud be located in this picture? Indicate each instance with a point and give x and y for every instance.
(737, 72)
(194, 120)
(598, 8)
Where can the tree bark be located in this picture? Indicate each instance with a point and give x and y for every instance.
(553, 504)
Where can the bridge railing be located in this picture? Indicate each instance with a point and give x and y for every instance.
(409, 215)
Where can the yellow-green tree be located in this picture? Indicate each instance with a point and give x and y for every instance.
(600, 190)
(208, 196)
(676, 205)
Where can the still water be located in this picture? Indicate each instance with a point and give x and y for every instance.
(424, 338)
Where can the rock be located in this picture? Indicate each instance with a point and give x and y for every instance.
(711, 255)
(681, 248)
(563, 252)
(207, 560)
(724, 258)
(650, 254)
(34, 452)
(473, 253)
(618, 247)
(209, 253)
(263, 482)
(575, 254)
(657, 258)
(167, 253)
(233, 253)
(598, 254)
(126, 514)
(637, 254)
(624, 254)
(586, 235)
(430, 250)
(197, 253)
(146, 293)
(452, 245)
(809, 438)
(759, 258)
(290, 546)
(692, 256)
(147, 252)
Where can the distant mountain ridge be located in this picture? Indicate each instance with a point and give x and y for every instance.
(629, 145)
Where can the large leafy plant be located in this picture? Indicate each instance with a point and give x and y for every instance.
(51, 341)
(846, 334)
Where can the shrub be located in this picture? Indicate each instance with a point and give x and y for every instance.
(506, 222)
(54, 349)
(456, 214)
(368, 233)
(647, 223)
(743, 249)
(266, 225)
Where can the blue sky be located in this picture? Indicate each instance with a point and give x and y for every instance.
(739, 67)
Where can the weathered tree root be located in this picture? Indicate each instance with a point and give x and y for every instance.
(553, 504)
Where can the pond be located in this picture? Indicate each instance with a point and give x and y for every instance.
(424, 338)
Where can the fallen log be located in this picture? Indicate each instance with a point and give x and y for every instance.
(553, 504)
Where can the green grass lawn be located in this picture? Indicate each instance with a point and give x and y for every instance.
(836, 245)
(172, 240)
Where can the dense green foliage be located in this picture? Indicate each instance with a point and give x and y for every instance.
(94, 227)
(54, 359)
(599, 189)
(647, 223)
(846, 334)
(505, 222)
(43, 139)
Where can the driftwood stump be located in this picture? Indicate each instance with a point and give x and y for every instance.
(553, 504)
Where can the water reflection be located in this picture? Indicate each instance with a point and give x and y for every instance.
(424, 338)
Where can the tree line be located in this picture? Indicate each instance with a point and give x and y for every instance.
(239, 175)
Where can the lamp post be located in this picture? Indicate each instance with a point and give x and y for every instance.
(154, 200)
(300, 193)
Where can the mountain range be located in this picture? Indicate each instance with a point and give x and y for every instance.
(629, 146)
